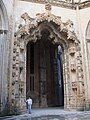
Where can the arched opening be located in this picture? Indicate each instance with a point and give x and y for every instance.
(44, 72)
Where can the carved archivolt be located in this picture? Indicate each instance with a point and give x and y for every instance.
(32, 23)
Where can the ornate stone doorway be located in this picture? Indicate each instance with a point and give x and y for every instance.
(44, 73)
(44, 36)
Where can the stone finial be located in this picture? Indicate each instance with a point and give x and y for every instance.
(48, 7)
(26, 17)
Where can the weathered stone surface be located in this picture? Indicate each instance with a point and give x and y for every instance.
(67, 28)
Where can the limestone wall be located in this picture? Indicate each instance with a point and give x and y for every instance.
(9, 6)
(6, 29)
(14, 10)
(84, 18)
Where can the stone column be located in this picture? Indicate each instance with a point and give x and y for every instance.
(18, 75)
(82, 62)
(66, 79)
(22, 76)
(3, 69)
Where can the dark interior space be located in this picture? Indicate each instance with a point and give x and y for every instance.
(44, 73)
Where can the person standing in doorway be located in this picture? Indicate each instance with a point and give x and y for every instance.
(29, 104)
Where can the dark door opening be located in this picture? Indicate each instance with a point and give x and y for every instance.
(44, 74)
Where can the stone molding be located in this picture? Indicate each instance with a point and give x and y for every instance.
(63, 4)
(84, 5)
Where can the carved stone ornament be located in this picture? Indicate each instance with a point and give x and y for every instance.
(72, 51)
(73, 67)
(32, 23)
(48, 6)
(26, 17)
(61, 33)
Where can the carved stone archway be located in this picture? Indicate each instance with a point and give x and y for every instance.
(60, 33)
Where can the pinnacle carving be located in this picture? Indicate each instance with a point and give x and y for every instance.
(48, 7)
(31, 23)
(26, 17)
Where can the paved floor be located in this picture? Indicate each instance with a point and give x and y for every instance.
(52, 114)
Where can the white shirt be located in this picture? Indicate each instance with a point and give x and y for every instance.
(29, 101)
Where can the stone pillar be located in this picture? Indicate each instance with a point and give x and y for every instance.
(73, 76)
(76, 77)
(22, 76)
(18, 76)
(15, 77)
(81, 88)
(3, 69)
(66, 79)
(87, 73)
(82, 61)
